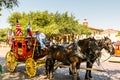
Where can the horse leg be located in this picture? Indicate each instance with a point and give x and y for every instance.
(78, 70)
(49, 68)
(90, 66)
(88, 75)
(74, 68)
(75, 71)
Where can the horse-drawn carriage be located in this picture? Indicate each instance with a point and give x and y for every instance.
(25, 50)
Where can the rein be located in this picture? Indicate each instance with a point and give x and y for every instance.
(107, 58)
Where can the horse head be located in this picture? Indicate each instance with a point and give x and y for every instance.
(107, 45)
(93, 46)
(89, 46)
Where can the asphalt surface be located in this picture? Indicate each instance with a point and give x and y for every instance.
(112, 70)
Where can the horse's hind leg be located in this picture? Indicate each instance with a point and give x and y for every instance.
(78, 69)
(75, 71)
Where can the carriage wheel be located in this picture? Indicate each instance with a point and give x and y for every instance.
(30, 67)
(10, 61)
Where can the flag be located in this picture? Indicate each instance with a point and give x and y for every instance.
(29, 31)
(18, 29)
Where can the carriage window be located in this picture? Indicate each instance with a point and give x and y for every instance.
(19, 45)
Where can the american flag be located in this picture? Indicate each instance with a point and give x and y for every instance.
(29, 31)
(18, 29)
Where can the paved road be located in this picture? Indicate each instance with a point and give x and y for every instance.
(112, 71)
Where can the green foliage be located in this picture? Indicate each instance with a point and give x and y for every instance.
(85, 30)
(0, 10)
(0, 69)
(3, 34)
(48, 23)
(8, 3)
(118, 33)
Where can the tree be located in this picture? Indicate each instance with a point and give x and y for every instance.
(0, 10)
(3, 34)
(8, 4)
(49, 23)
(118, 33)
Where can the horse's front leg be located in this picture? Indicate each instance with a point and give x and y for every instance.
(75, 71)
(49, 68)
(74, 68)
(87, 71)
(88, 75)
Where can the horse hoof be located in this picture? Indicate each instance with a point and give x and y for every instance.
(89, 79)
(51, 79)
(75, 78)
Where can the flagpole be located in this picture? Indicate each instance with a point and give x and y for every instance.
(29, 31)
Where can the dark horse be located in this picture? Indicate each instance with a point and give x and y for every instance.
(62, 54)
(70, 54)
(91, 55)
(106, 44)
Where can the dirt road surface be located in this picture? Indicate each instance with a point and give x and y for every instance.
(112, 70)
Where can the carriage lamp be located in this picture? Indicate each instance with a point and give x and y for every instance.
(0, 69)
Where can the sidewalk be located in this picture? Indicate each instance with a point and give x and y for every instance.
(3, 51)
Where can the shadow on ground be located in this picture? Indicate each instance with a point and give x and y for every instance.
(59, 74)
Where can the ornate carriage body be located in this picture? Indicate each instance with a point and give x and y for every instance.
(25, 49)
(21, 49)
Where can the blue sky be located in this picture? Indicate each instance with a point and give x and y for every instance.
(101, 14)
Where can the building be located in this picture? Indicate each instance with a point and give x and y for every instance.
(112, 34)
(96, 33)
(99, 33)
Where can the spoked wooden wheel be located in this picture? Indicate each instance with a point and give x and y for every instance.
(30, 67)
(10, 62)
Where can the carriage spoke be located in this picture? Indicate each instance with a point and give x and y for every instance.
(10, 62)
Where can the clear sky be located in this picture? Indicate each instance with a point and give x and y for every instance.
(101, 14)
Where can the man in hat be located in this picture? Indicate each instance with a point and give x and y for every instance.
(41, 37)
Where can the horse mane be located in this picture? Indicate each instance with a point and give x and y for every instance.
(83, 44)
